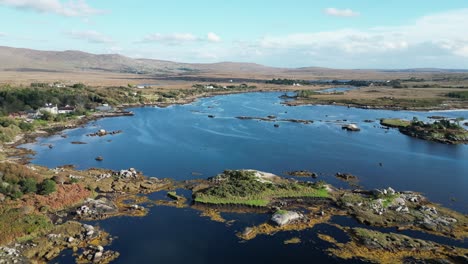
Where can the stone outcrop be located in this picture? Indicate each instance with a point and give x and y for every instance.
(282, 218)
(351, 127)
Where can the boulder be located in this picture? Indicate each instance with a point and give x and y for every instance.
(282, 218)
(97, 256)
(351, 127)
(346, 176)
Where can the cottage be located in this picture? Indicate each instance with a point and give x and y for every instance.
(66, 109)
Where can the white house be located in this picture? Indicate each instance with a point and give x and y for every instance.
(49, 108)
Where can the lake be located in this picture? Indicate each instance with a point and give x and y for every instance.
(179, 140)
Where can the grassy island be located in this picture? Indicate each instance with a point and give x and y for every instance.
(253, 188)
(443, 131)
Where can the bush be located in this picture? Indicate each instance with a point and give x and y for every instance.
(17, 194)
(47, 187)
(6, 122)
(79, 86)
(29, 185)
(26, 126)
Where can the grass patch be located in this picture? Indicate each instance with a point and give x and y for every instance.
(394, 122)
(388, 200)
(245, 188)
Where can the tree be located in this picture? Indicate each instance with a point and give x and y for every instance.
(47, 187)
(459, 119)
(29, 185)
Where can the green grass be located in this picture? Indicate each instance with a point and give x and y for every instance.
(263, 198)
(244, 188)
(394, 122)
(388, 200)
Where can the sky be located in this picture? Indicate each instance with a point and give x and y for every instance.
(357, 34)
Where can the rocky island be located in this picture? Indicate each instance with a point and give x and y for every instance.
(443, 130)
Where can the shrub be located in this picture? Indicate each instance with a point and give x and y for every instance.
(47, 187)
(17, 194)
(26, 126)
(29, 185)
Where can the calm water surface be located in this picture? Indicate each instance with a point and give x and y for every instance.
(176, 141)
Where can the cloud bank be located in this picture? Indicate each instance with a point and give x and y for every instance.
(340, 12)
(72, 8)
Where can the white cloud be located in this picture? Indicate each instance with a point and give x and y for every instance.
(340, 12)
(213, 37)
(170, 38)
(90, 36)
(434, 40)
(71, 8)
(179, 38)
(2, 34)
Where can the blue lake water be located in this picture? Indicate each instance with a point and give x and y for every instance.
(178, 140)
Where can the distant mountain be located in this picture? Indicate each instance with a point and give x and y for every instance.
(18, 59)
(28, 60)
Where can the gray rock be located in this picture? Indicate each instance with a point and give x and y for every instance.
(282, 218)
(97, 256)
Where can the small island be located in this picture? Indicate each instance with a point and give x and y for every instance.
(443, 130)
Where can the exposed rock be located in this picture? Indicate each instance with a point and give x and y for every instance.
(130, 173)
(346, 176)
(282, 218)
(95, 209)
(351, 127)
(302, 173)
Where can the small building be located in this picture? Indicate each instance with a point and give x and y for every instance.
(104, 108)
(66, 109)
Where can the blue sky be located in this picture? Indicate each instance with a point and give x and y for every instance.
(295, 33)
